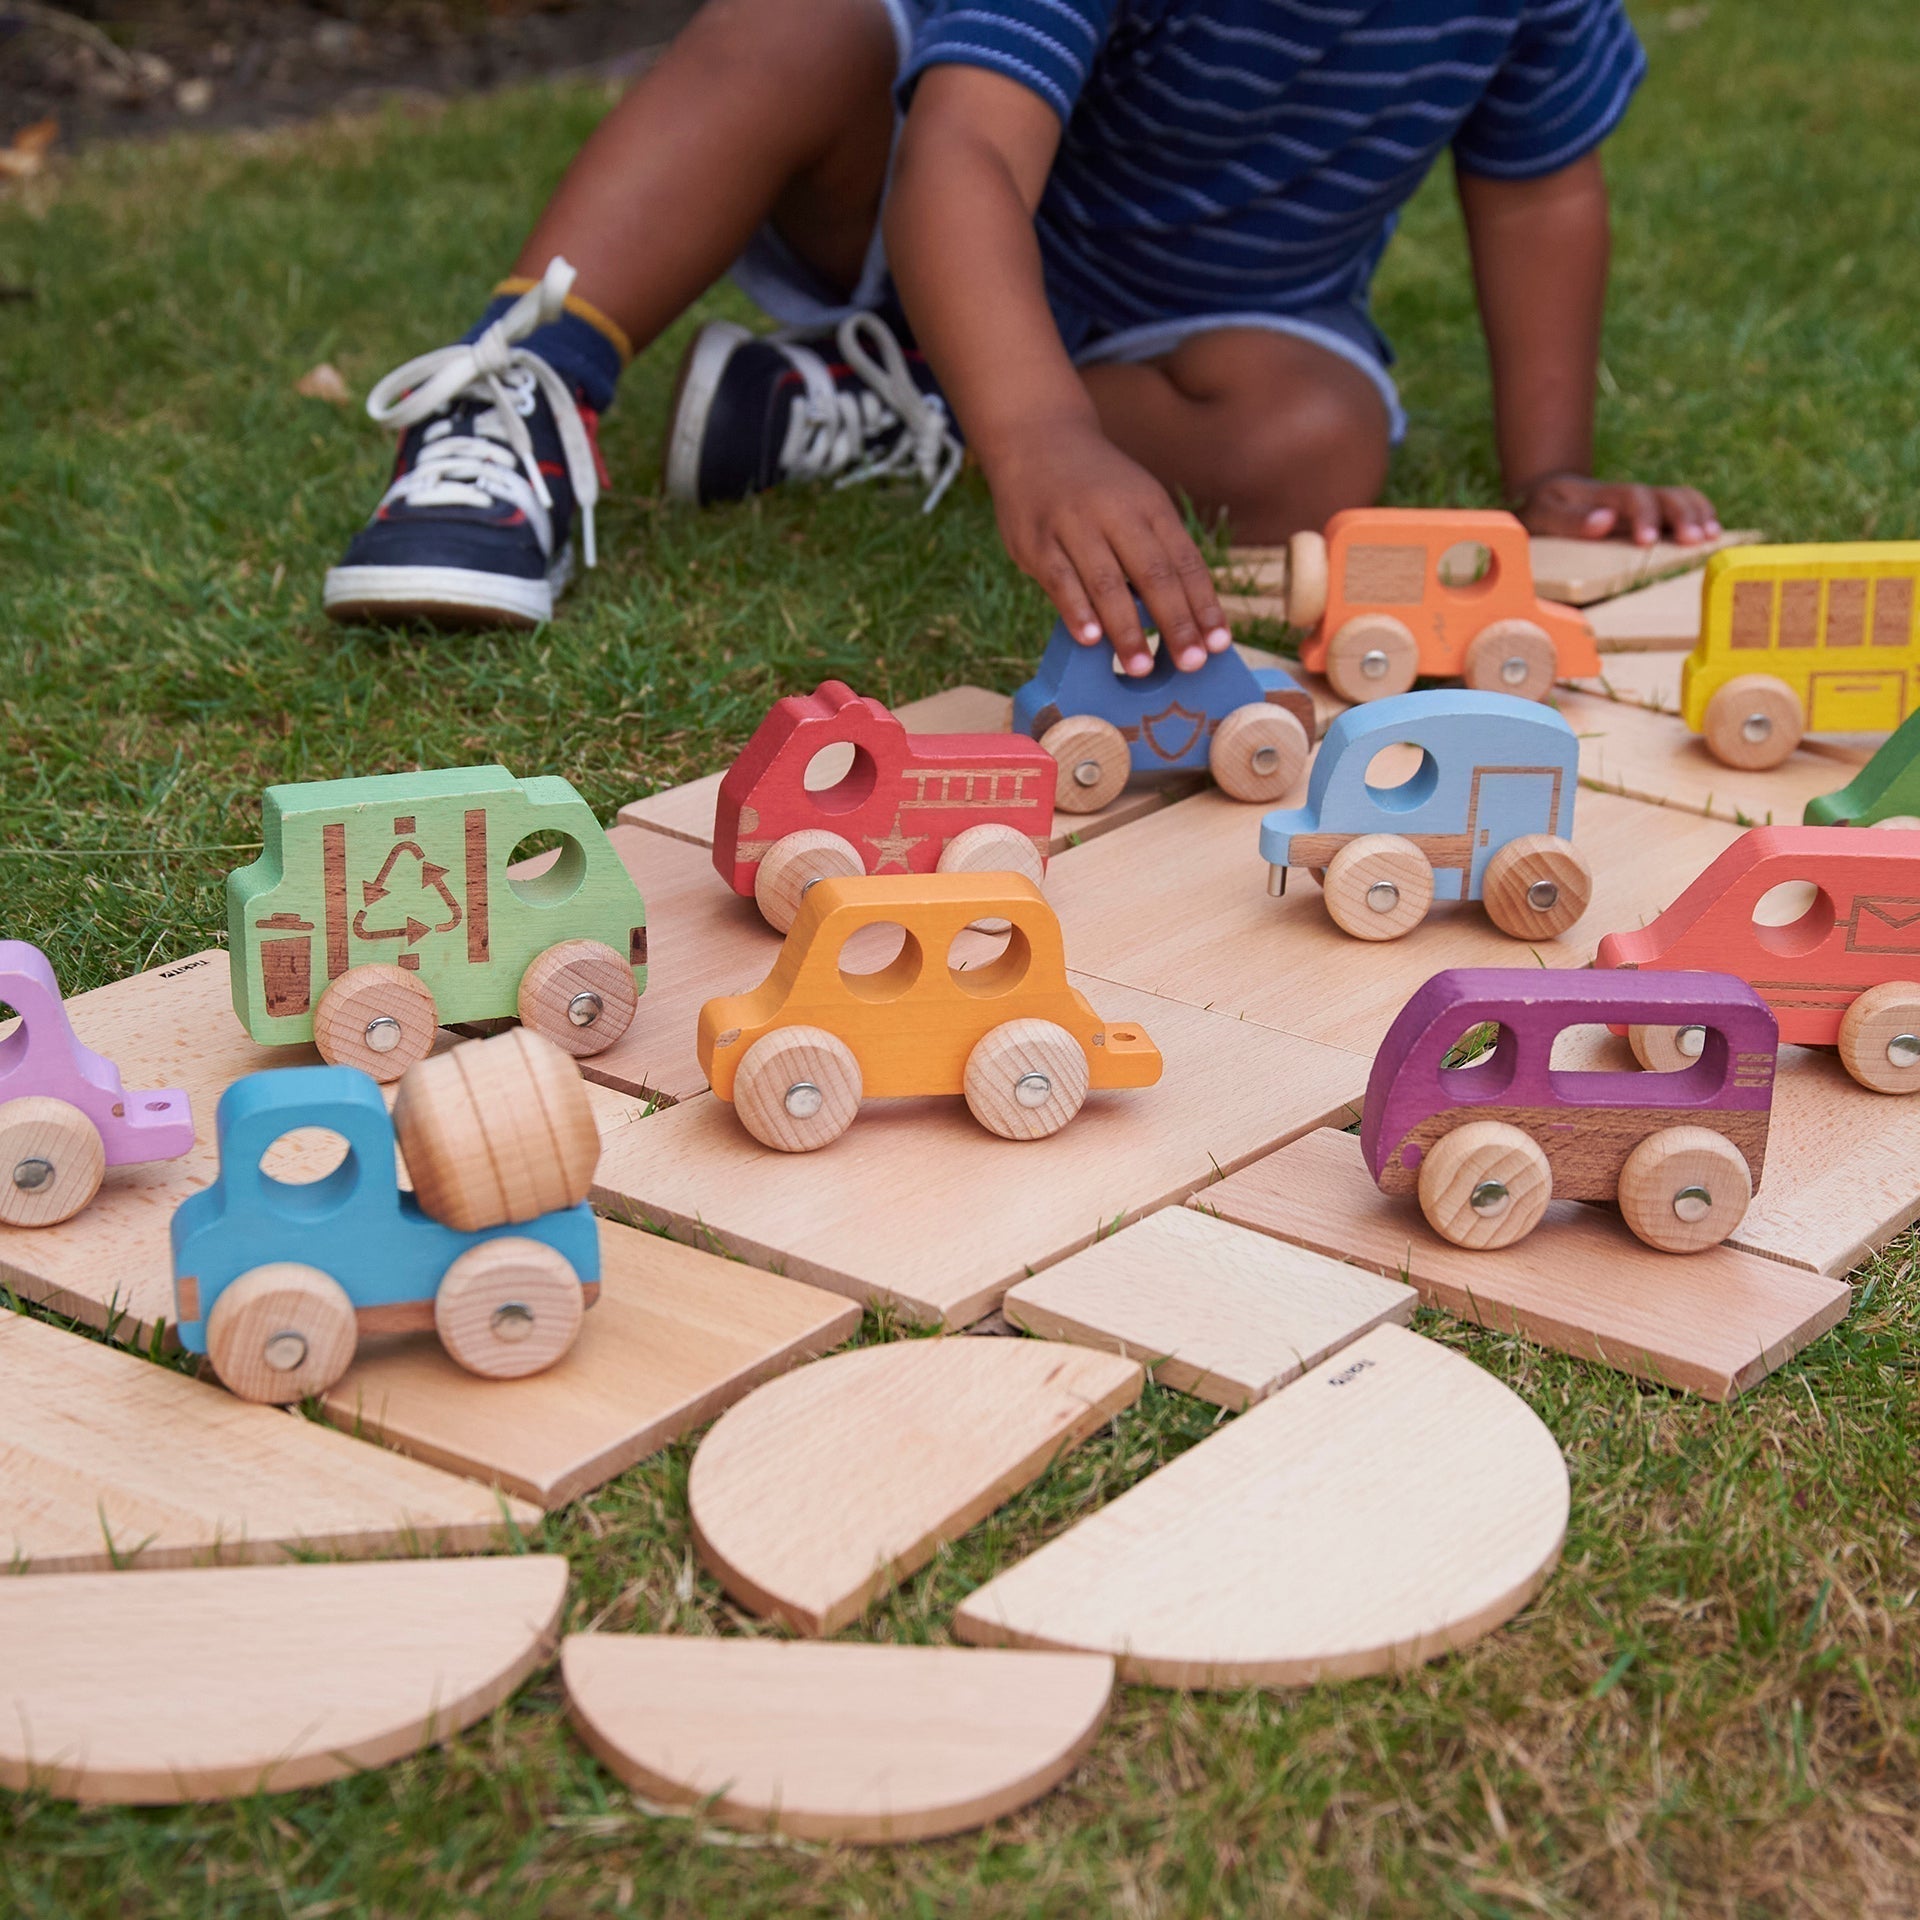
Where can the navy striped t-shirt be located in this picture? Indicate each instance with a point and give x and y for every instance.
(1250, 155)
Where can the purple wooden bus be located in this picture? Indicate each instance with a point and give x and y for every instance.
(1486, 1142)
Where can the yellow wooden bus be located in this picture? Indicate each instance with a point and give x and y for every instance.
(1793, 640)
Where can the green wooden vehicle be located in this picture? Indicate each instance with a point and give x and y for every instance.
(1884, 793)
(381, 908)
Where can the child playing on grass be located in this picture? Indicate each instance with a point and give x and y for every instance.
(1132, 240)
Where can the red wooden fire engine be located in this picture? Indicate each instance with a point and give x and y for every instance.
(832, 784)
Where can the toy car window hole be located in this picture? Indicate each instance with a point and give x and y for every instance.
(879, 961)
(1467, 565)
(558, 877)
(1402, 777)
(851, 788)
(310, 1166)
(1793, 918)
(1478, 1064)
(977, 969)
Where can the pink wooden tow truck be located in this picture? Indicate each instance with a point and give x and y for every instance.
(64, 1116)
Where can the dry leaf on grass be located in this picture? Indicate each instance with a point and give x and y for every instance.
(324, 382)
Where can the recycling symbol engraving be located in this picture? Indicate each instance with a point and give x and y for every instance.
(432, 879)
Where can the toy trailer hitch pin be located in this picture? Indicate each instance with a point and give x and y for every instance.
(1276, 882)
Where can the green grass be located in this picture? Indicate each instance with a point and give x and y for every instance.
(1715, 1706)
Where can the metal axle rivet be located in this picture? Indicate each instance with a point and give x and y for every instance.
(1490, 1196)
(1756, 727)
(1087, 773)
(1032, 1089)
(1691, 1041)
(1903, 1050)
(31, 1175)
(1542, 895)
(1373, 663)
(383, 1033)
(1265, 759)
(1691, 1204)
(513, 1320)
(1383, 896)
(804, 1100)
(285, 1351)
(1513, 670)
(584, 1008)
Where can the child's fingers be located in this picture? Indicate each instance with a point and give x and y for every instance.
(1640, 508)
(1144, 551)
(1061, 580)
(1104, 578)
(1688, 515)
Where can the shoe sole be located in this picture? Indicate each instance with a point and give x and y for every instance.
(443, 596)
(693, 389)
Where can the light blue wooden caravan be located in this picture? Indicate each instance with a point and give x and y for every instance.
(1477, 804)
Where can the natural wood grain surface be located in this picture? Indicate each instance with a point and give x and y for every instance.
(106, 1459)
(111, 1266)
(839, 1742)
(823, 1489)
(1389, 1506)
(1632, 748)
(1712, 1323)
(1213, 936)
(686, 811)
(677, 1335)
(1663, 617)
(1212, 1309)
(894, 1210)
(1580, 572)
(1843, 1168)
(158, 1688)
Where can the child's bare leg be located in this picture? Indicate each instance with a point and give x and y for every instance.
(1269, 429)
(759, 107)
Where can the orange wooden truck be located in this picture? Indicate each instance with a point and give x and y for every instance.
(1435, 593)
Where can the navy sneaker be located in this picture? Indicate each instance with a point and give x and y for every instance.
(752, 411)
(497, 455)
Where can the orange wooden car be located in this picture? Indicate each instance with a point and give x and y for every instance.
(1435, 593)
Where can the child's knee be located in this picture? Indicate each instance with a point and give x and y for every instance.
(1303, 447)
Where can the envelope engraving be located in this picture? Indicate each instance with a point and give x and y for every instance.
(1884, 923)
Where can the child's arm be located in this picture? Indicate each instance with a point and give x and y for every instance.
(1075, 512)
(1540, 268)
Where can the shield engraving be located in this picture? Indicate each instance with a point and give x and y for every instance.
(1174, 731)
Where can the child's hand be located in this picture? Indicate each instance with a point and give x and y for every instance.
(1093, 528)
(1583, 509)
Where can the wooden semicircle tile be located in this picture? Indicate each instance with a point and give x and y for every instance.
(212, 1682)
(834, 1740)
(825, 1487)
(1394, 1503)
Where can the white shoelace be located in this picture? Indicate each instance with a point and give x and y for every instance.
(829, 430)
(496, 460)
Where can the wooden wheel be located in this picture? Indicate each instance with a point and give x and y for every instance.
(580, 995)
(1485, 1184)
(51, 1161)
(1536, 887)
(1258, 752)
(1372, 656)
(497, 1130)
(1512, 656)
(1879, 1038)
(797, 1089)
(1026, 1079)
(508, 1308)
(281, 1332)
(378, 1018)
(1378, 887)
(792, 864)
(1094, 762)
(993, 848)
(1666, 1049)
(1306, 579)
(1753, 722)
(1685, 1188)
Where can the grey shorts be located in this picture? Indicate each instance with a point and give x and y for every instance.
(788, 290)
